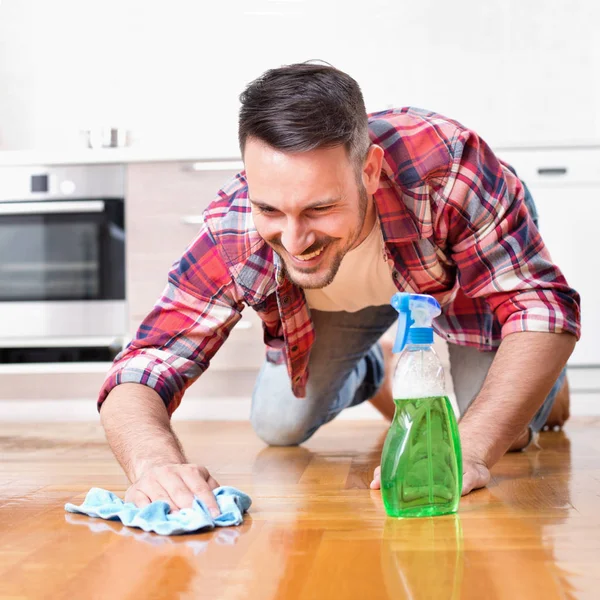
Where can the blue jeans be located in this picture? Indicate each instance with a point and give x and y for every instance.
(346, 368)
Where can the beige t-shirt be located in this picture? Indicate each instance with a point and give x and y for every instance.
(363, 279)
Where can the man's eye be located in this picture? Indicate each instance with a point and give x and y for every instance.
(321, 209)
(267, 210)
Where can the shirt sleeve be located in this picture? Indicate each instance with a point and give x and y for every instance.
(174, 344)
(497, 248)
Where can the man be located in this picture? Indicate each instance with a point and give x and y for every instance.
(334, 213)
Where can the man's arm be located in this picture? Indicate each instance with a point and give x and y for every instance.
(138, 430)
(502, 259)
(522, 374)
(172, 348)
(482, 220)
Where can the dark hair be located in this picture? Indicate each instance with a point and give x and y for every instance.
(304, 106)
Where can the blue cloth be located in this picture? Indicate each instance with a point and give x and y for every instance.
(156, 517)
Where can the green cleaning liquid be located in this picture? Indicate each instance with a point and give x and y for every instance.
(421, 462)
(421, 470)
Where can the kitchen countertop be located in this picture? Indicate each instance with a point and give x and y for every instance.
(213, 161)
(84, 156)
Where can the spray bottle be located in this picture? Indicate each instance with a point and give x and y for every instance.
(421, 463)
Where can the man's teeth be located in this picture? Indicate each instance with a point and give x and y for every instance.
(311, 255)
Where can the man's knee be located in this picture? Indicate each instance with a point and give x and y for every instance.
(277, 416)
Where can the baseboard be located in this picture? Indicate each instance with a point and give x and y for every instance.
(209, 409)
(584, 380)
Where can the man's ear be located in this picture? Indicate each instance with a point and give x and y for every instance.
(372, 168)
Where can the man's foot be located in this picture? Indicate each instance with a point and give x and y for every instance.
(560, 409)
(556, 419)
(383, 400)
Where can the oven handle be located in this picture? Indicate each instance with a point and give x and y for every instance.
(48, 208)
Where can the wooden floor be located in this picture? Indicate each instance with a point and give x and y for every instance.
(315, 530)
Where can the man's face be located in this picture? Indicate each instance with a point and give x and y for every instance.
(308, 207)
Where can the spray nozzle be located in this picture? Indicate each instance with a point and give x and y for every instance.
(415, 315)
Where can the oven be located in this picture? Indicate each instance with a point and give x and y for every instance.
(62, 263)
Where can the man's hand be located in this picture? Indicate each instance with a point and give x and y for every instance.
(176, 484)
(376, 483)
(475, 475)
(138, 429)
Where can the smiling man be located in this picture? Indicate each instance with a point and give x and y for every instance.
(335, 212)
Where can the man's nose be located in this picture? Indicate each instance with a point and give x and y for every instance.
(296, 237)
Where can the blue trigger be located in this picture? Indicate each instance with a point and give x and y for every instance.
(401, 303)
(402, 332)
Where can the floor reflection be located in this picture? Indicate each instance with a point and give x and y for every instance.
(423, 558)
(225, 536)
(502, 543)
(137, 564)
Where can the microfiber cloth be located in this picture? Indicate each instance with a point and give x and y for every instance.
(156, 517)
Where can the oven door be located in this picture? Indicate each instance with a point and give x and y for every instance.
(62, 277)
(63, 250)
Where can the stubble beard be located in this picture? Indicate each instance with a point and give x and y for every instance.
(327, 278)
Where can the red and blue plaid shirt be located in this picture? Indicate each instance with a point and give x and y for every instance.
(455, 226)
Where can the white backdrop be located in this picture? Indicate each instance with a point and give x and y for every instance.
(517, 72)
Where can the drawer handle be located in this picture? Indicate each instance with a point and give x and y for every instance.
(552, 171)
(193, 220)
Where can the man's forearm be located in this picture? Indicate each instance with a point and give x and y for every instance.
(522, 374)
(138, 429)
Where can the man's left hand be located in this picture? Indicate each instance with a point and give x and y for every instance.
(475, 475)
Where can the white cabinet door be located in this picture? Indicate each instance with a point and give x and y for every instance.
(565, 185)
(569, 224)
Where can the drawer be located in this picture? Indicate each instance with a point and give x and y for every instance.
(173, 187)
(551, 167)
(146, 280)
(163, 203)
(160, 235)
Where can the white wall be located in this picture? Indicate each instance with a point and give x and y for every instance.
(518, 72)
(172, 71)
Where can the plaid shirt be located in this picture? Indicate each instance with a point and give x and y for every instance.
(455, 226)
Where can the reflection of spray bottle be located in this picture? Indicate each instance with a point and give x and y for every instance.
(421, 464)
(423, 558)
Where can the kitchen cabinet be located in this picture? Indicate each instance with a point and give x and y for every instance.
(565, 184)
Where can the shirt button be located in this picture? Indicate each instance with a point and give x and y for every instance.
(294, 348)
(285, 300)
(297, 379)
